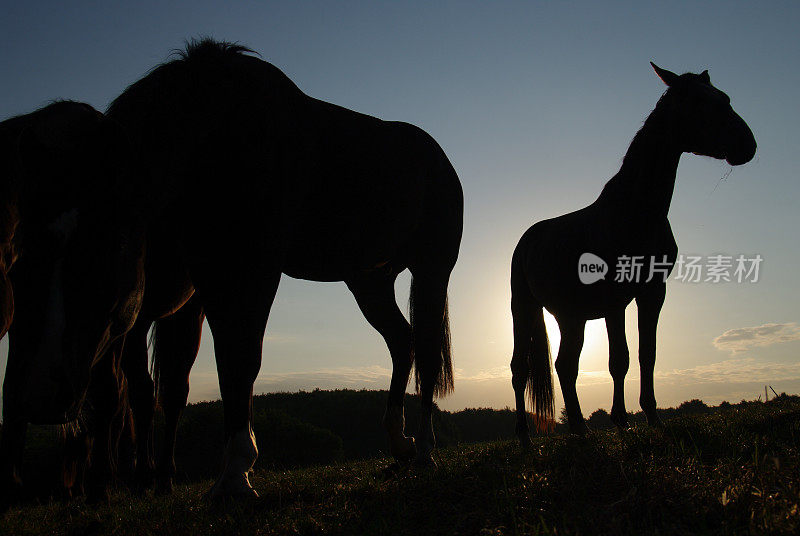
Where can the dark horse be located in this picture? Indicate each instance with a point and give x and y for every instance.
(629, 219)
(249, 178)
(71, 275)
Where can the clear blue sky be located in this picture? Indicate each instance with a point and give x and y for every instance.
(535, 104)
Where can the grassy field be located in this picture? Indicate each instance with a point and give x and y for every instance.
(735, 471)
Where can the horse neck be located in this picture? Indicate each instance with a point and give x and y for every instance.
(641, 192)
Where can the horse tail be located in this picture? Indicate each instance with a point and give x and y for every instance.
(156, 344)
(540, 376)
(532, 346)
(443, 369)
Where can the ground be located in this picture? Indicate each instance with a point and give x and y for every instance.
(732, 471)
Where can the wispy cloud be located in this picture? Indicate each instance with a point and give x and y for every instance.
(741, 339)
(737, 370)
(343, 376)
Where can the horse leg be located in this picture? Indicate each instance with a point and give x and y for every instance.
(430, 341)
(618, 362)
(12, 445)
(649, 304)
(12, 434)
(106, 397)
(175, 348)
(142, 401)
(375, 297)
(237, 317)
(569, 352)
(75, 454)
(126, 453)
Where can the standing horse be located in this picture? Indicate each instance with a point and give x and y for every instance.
(75, 284)
(251, 179)
(628, 220)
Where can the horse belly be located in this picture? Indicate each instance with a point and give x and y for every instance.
(333, 252)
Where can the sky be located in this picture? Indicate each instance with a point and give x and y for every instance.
(535, 104)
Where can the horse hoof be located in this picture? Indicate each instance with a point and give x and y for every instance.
(97, 496)
(580, 430)
(658, 424)
(621, 423)
(216, 495)
(424, 461)
(405, 451)
(164, 487)
(234, 488)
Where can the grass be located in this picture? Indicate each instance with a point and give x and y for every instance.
(735, 471)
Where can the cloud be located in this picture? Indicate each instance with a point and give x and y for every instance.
(375, 377)
(740, 339)
(737, 370)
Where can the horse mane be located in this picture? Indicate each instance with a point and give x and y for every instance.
(206, 47)
(192, 75)
(203, 51)
(637, 150)
(15, 124)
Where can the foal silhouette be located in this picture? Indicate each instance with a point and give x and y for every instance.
(628, 219)
(251, 178)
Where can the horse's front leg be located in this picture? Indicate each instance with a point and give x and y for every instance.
(569, 352)
(141, 399)
(106, 396)
(12, 444)
(618, 363)
(177, 341)
(375, 296)
(237, 309)
(12, 435)
(649, 304)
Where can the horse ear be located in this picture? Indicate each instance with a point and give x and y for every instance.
(668, 77)
(705, 77)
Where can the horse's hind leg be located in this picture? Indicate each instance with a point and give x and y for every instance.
(649, 304)
(176, 344)
(374, 294)
(237, 309)
(141, 396)
(618, 362)
(569, 352)
(430, 340)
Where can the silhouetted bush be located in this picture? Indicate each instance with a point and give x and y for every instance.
(599, 420)
(693, 407)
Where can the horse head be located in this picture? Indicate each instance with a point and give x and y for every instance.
(78, 278)
(707, 124)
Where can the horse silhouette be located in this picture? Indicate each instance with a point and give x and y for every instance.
(628, 220)
(71, 278)
(248, 179)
